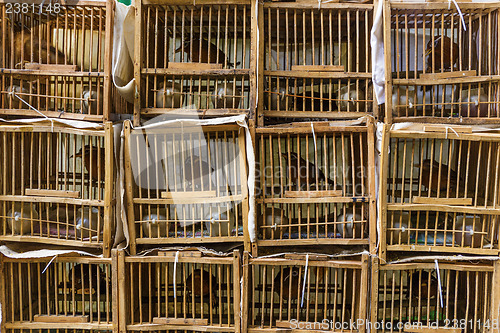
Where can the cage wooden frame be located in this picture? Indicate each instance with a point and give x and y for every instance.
(280, 97)
(351, 270)
(77, 204)
(178, 226)
(311, 206)
(460, 173)
(75, 304)
(235, 98)
(463, 88)
(225, 272)
(388, 288)
(56, 86)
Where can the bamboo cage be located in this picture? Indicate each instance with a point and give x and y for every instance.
(319, 290)
(441, 66)
(192, 55)
(315, 185)
(440, 191)
(56, 59)
(440, 295)
(56, 185)
(186, 290)
(316, 62)
(187, 184)
(64, 293)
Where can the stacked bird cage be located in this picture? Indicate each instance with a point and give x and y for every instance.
(315, 184)
(440, 190)
(193, 55)
(297, 291)
(180, 290)
(56, 59)
(315, 61)
(442, 64)
(188, 184)
(446, 296)
(61, 294)
(57, 185)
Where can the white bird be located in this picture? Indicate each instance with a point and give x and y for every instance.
(278, 99)
(403, 102)
(468, 232)
(350, 222)
(273, 218)
(154, 224)
(229, 95)
(219, 220)
(90, 102)
(20, 217)
(352, 98)
(169, 97)
(477, 104)
(14, 100)
(399, 233)
(87, 222)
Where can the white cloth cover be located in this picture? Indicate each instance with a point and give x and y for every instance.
(123, 51)
(378, 63)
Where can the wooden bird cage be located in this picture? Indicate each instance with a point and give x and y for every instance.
(56, 59)
(315, 185)
(187, 290)
(56, 185)
(447, 296)
(440, 190)
(293, 291)
(192, 55)
(188, 184)
(316, 62)
(62, 293)
(442, 65)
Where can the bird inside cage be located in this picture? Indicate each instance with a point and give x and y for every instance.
(92, 101)
(20, 217)
(203, 51)
(278, 97)
(220, 222)
(32, 47)
(86, 279)
(351, 225)
(287, 283)
(16, 95)
(314, 101)
(226, 97)
(424, 285)
(403, 102)
(169, 95)
(398, 224)
(353, 98)
(201, 283)
(94, 164)
(303, 173)
(431, 175)
(88, 222)
(154, 223)
(197, 172)
(444, 56)
(469, 232)
(271, 221)
(474, 103)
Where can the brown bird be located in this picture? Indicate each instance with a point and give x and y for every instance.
(196, 286)
(305, 168)
(449, 60)
(36, 49)
(443, 178)
(82, 275)
(291, 288)
(92, 166)
(207, 53)
(200, 171)
(420, 285)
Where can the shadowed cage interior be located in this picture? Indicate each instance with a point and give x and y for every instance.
(162, 290)
(456, 295)
(52, 183)
(435, 40)
(189, 182)
(36, 291)
(281, 292)
(324, 167)
(435, 169)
